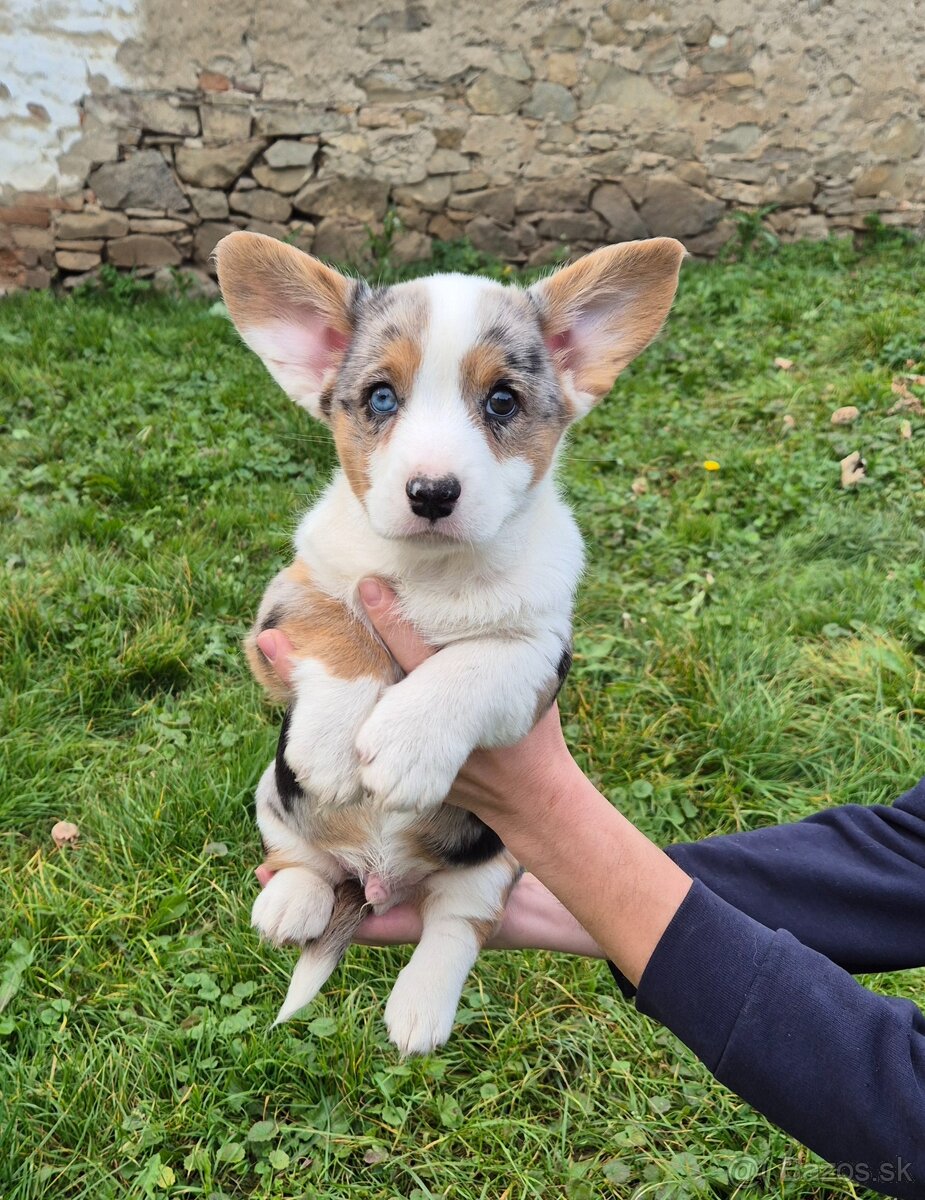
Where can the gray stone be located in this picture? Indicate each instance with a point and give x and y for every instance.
(698, 34)
(447, 162)
(143, 250)
(736, 140)
(285, 179)
(223, 124)
(207, 237)
(563, 36)
(495, 94)
(92, 225)
(76, 260)
(550, 100)
(490, 238)
(797, 191)
(156, 225)
(290, 153)
(210, 205)
(144, 180)
(672, 143)
(744, 172)
(841, 85)
(629, 91)
(676, 209)
(430, 195)
(410, 247)
(216, 166)
(160, 116)
(661, 54)
(725, 56)
(876, 180)
(571, 227)
(566, 192)
(362, 200)
(615, 206)
(900, 138)
(297, 122)
(261, 204)
(341, 242)
(497, 203)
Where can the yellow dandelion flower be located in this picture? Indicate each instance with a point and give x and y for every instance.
(711, 465)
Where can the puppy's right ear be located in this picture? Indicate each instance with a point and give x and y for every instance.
(292, 310)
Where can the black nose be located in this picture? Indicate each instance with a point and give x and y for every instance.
(433, 498)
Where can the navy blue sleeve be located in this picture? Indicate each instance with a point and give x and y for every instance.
(848, 881)
(836, 1066)
(775, 1015)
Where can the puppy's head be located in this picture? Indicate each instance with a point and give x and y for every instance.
(448, 395)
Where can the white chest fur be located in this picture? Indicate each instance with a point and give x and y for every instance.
(523, 579)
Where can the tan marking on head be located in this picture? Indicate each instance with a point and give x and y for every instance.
(481, 367)
(400, 362)
(319, 628)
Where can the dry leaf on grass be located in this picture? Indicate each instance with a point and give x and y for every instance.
(908, 401)
(845, 416)
(64, 833)
(789, 422)
(785, 364)
(853, 470)
(640, 485)
(905, 430)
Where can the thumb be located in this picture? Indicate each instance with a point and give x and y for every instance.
(407, 646)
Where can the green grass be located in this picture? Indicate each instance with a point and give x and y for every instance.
(749, 649)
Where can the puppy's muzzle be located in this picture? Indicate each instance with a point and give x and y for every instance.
(433, 498)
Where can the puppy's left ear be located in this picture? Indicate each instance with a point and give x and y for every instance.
(291, 309)
(603, 310)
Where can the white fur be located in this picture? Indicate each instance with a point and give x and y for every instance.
(420, 1011)
(506, 602)
(326, 717)
(294, 907)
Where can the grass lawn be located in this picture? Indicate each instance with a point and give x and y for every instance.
(750, 647)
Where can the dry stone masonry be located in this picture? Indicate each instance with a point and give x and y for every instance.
(529, 128)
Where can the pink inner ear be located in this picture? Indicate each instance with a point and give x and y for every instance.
(561, 347)
(302, 348)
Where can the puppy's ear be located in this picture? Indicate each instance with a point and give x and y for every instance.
(603, 310)
(290, 309)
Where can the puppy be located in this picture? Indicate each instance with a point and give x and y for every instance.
(448, 398)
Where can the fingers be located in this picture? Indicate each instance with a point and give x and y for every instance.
(397, 927)
(277, 649)
(408, 649)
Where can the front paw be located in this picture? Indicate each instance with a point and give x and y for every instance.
(329, 777)
(294, 908)
(403, 764)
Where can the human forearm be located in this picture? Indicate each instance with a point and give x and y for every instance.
(617, 884)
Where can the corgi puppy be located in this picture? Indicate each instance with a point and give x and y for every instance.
(448, 398)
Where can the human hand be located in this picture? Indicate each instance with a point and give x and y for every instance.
(533, 920)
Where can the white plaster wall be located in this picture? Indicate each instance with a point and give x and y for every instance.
(49, 49)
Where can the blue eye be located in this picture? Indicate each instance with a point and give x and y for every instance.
(383, 401)
(501, 404)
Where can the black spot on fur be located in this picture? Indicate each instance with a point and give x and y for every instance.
(474, 843)
(287, 785)
(325, 401)
(562, 669)
(272, 619)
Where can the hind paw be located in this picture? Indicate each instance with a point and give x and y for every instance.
(294, 907)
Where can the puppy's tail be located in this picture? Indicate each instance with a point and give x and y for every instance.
(319, 958)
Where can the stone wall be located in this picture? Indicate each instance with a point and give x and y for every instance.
(525, 126)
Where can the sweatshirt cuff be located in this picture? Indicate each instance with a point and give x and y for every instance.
(700, 973)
